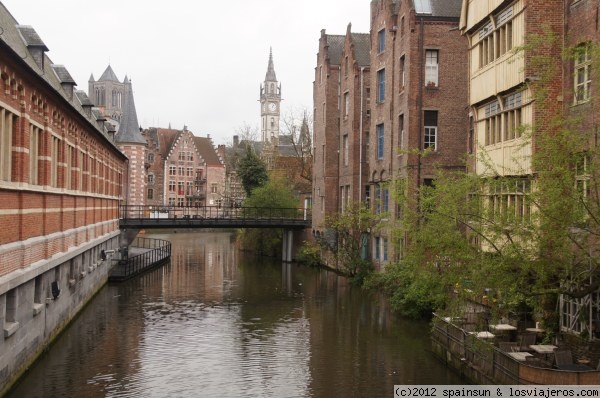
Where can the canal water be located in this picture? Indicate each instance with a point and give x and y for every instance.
(216, 322)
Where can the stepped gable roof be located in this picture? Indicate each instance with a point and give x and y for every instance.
(19, 39)
(438, 8)
(206, 150)
(166, 138)
(336, 48)
(129, 128)
(109, 75)
(362, 48)
(270, 76)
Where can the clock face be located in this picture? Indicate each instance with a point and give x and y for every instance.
(272, 106)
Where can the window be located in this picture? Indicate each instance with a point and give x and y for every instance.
(380, 141)
(431, 122)
(377, 198)
(171, 186)
(346, 104)
(150, 157)
(505, 125)
(150, 193)
(402, 72)
(172, 170)
(384, 249)
(583, 69)
(381, 85)
(181, 188)
(508, 199)
(180, 202)
(54, 162)
(381, 40)
(34, 145)
(182, 156)
(367, 194)
(190, 156)
(583, 184)
(431, 68)
(385, 199)
(377, 247)
(342, 199)
(190, 171)
(493, 43)
(345, 149)
(171, 201)
(181, 171)
(401, 26)
(486, 45)
(8, 122)
(150, 179)
(213, 187)
(401, 131)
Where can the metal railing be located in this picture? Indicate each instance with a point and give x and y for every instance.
(212, 216)
(157, 252)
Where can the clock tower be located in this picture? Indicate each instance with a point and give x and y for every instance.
(270, 102)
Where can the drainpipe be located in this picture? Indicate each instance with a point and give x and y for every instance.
(420, 108)
(360, 137)
(164, 199)
(393, 30)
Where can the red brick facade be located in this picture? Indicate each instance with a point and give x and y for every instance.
(70, 193)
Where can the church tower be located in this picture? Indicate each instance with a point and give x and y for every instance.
(270, 102)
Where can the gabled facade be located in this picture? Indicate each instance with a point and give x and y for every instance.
(418, 103)
(355, 88)
(326, 114)
(183, 170)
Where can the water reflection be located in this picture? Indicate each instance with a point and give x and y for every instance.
(212, 324)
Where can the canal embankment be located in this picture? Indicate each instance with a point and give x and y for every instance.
(142, 255)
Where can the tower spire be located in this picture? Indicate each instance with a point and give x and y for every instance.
(270, 76)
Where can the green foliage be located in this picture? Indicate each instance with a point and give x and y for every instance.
(310, 254)
(348, 230)
(470, 229)
(252, 171)
(274, 198)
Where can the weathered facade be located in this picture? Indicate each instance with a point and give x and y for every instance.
(60, 187)
(326, 114)
(418, 105)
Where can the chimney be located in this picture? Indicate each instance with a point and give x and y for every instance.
(34, 44)
(65, 79)
(85, 102)
(236, 141)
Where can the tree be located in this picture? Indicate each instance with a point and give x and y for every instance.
(298, 126)
(252, 171)
(345, 237)
(469, 238)
(264, 201)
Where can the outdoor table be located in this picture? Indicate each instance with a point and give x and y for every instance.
(535, 330)
(544, 349)
(483, 335)
(503, 327)
(519, 356)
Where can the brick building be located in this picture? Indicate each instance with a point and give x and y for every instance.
(60, 187)
(326, 114)
(182, 169)
(419, 78)
(381, 100)
(354, 118)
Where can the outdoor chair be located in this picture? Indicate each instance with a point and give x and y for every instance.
(564, 361)
(508, 346)
(527, 339)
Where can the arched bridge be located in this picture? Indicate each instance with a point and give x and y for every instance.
(142, 217)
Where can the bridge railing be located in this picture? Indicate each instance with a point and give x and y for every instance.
(212, 212)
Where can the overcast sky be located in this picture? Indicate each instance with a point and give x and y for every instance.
(196, 63)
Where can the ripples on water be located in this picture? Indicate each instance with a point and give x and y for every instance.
(212, 325)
